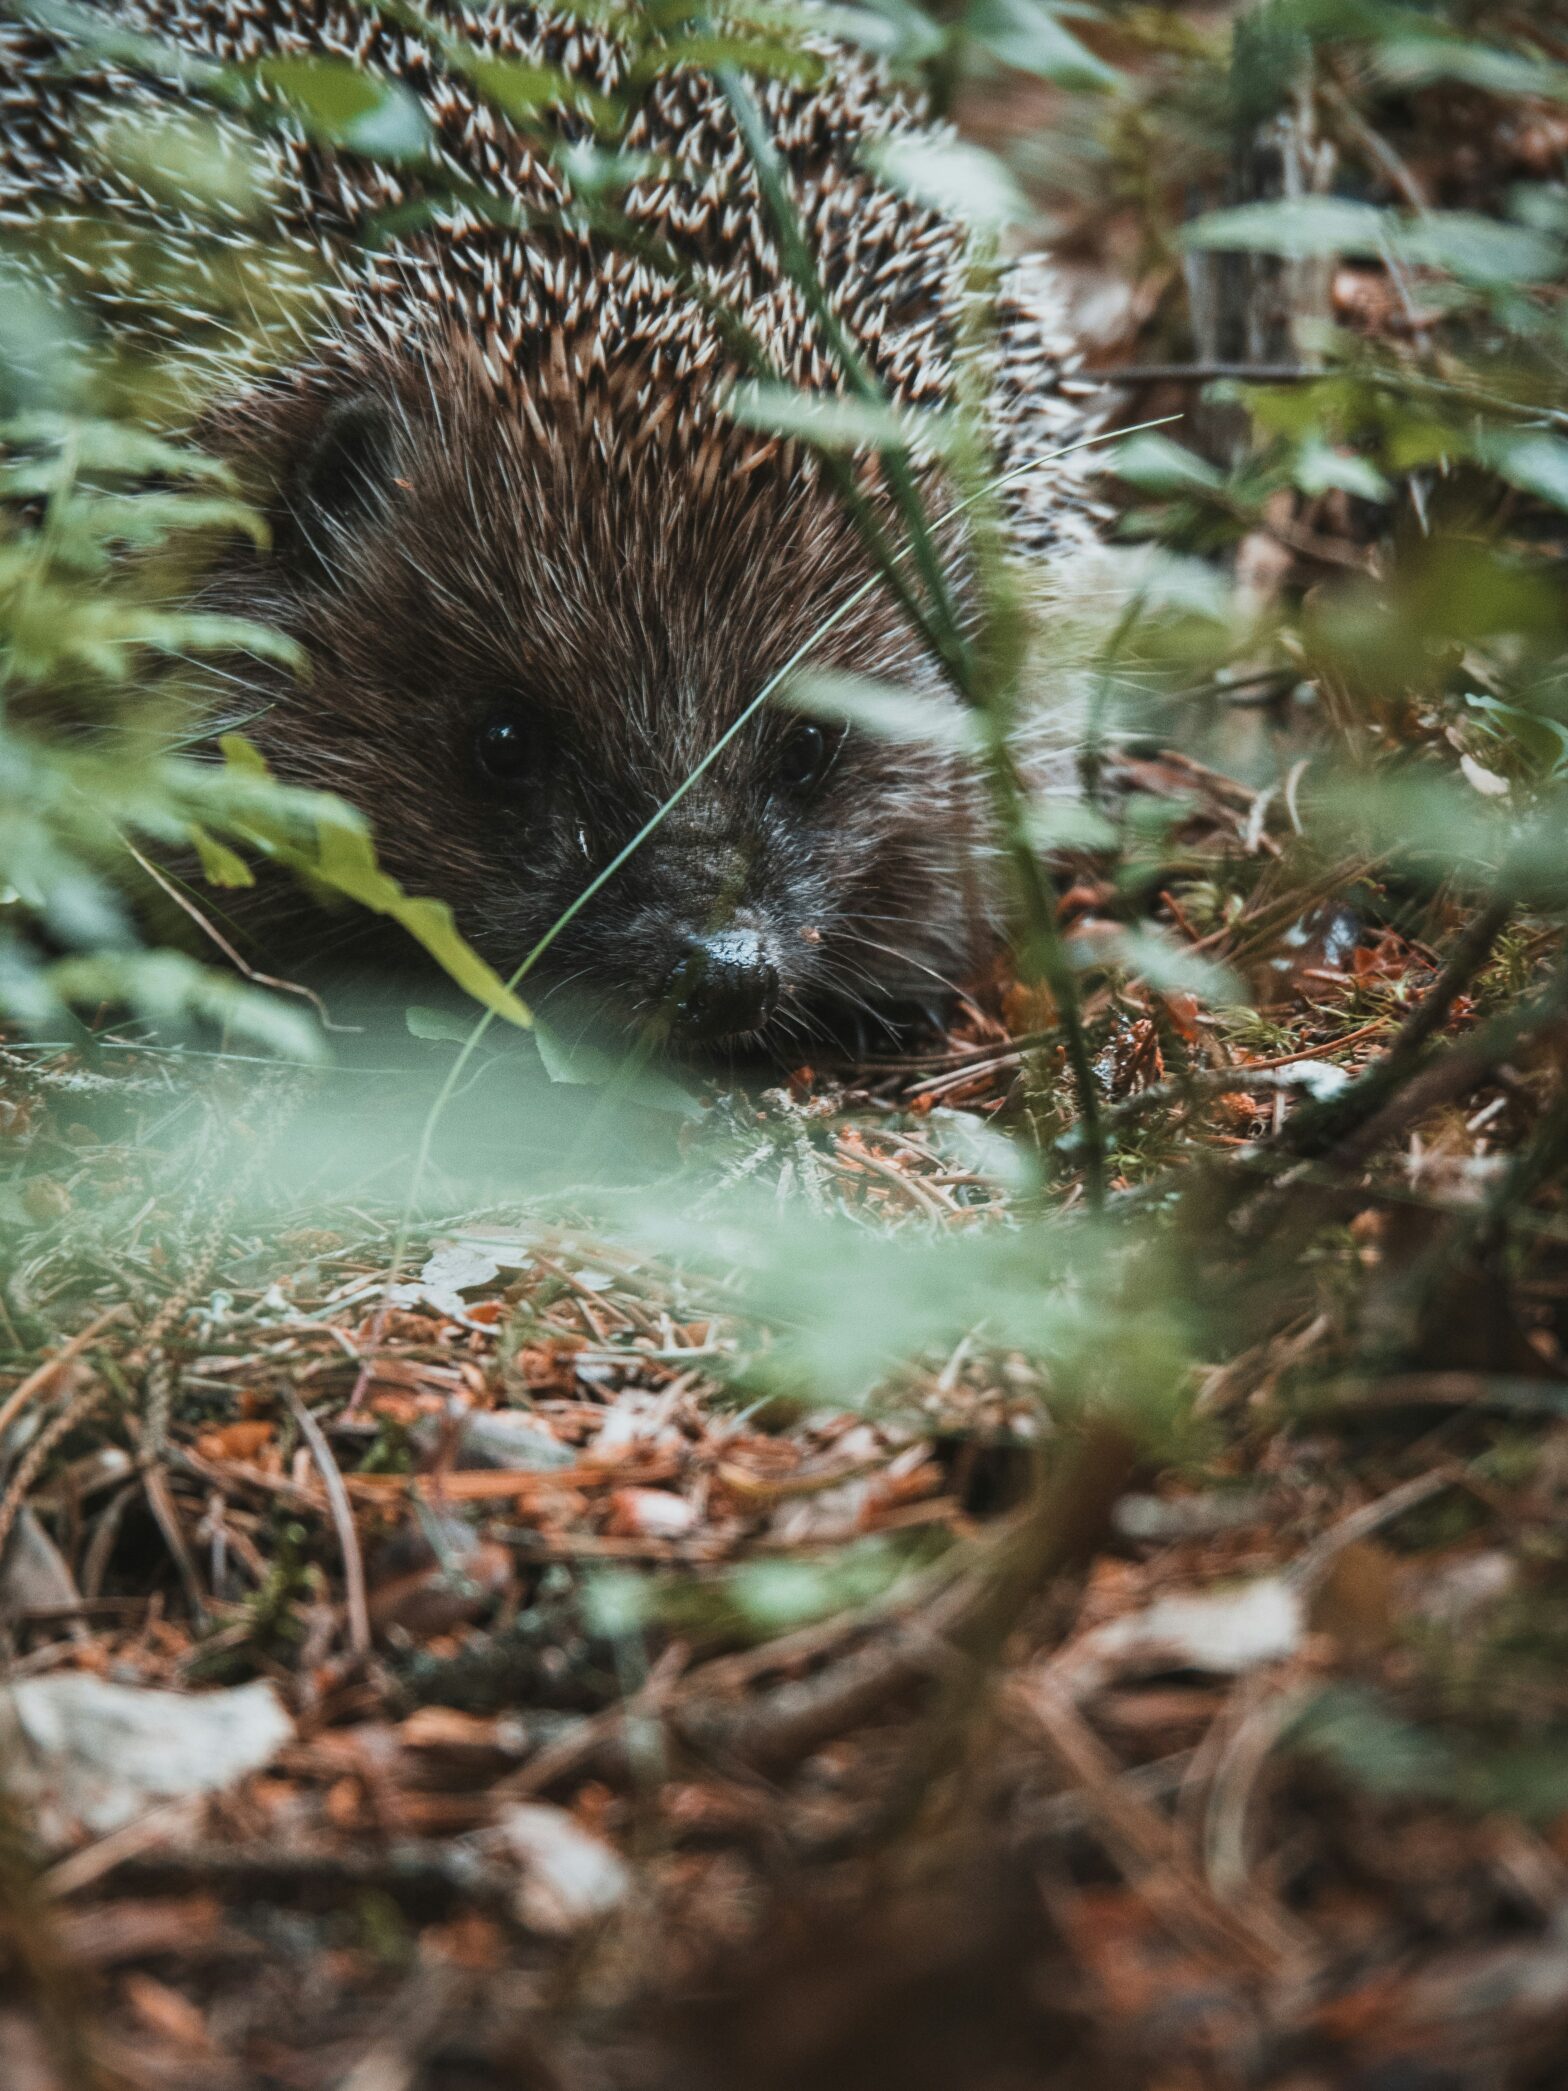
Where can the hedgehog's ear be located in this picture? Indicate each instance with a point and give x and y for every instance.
(345, 476)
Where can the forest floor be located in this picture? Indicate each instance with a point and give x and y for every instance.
(480, 1829)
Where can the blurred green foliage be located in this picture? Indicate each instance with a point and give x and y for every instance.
(1408, 476)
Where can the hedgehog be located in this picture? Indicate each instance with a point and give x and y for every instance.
(538, 566)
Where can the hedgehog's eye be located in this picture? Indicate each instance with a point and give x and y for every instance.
(806, 757)
(509, 749)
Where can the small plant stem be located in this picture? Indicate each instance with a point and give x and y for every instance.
(1469, 955)
(39, 1977)
(1395, 1093)
(983, 679)
(1091, 756)
(1042, 951)
(796, 252)
(967, 1624)
(1321, 1126)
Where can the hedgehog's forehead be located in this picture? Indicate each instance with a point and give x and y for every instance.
(640, 557)
(623, 490)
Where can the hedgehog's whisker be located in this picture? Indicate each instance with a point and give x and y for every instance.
(905, 958)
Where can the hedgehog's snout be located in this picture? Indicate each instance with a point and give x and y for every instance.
(723, 985)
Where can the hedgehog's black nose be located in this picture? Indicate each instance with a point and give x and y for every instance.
(725, 984)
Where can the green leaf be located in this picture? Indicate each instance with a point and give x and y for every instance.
(1542, 740)
(528, 93)
(342, 104)
(155, 56)
(1150, 954)
(779, 1594)
(439, 1026)
(1417, 61)
(596, 174)
(1436, 827)
(582, 1064)
(1477, 249)
(1528, 1779)
(113, 446)
(220, 865)
(344, 859)
(887, 710)
(947, 175)
(1319, 465)
(1529, 459)
(168, 989)
(142, 520)
(1480, 250)
(832, 421)
(1298, 228)
(1355, 1731)
(242, 755)
(202, 164)
(196, 631)
(1027, 36)
(1069, 824)
(770, 56)
(1160, 466)
(903, 34)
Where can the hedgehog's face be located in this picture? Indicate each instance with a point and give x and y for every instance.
(694, 928)
(528, 663)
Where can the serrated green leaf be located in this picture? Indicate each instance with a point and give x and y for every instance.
(438, 1026)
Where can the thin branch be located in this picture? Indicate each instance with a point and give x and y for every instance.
(1207, 374)
(342, 1521)
(966, 1624)
(41, 1378)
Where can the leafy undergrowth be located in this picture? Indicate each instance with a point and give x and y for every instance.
(629, 1715)
(953, 1569)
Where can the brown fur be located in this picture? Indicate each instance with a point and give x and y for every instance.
(633, 599)
(563, 519)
